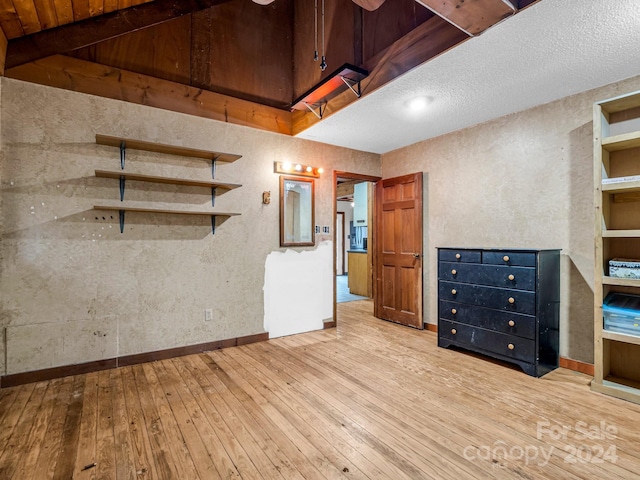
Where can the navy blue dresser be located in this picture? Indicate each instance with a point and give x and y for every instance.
(501, 303)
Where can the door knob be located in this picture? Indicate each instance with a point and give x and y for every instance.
(416, 255)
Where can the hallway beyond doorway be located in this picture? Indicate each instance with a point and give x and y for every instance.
(342, 290)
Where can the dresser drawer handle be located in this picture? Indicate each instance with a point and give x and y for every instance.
(512, 323)
(512, 300)
(454, 271)
(454, 291)
(511, 346)
(454, 311)
(512, 278)
(505, 258)
(454, 331)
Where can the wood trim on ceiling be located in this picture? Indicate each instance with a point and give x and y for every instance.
(127, 360)
(97, 29)
(472, 18)
(95, 79)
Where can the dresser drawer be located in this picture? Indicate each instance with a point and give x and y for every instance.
(490, 319)
(459, 256)
(519, 301)
(510, 258)
(520, 278)
(487, 340)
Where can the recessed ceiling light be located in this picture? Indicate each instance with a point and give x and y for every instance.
(418, 104)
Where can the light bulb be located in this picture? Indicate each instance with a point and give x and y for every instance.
(286, 166)
(298, 168)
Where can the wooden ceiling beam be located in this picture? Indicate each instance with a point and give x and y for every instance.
(97, 29)
(473, 17)
(104, 81)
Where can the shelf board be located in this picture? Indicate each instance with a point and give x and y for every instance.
(621, 337)
(621, 233)
(165, 180)
(172, 211)
(168, 149)
(618, 387)
(621, 187)
(620, 282)
(621, 142)
(621, 103)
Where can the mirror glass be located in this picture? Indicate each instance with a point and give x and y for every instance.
(296, 212)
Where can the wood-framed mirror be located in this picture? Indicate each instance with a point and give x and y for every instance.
(297, 212)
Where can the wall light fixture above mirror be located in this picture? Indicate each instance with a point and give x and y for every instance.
(289, 168)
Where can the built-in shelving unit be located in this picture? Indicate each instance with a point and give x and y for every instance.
(125, 143)
(616, 124)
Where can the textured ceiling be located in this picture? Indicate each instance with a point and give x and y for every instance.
(552, 49)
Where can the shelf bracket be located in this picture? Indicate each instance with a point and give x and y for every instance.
(213, 196)
(123, 153)
(321, 106)
(121, 214)
(350, 83)
(122, 180)
(213, 224)
(213, 167)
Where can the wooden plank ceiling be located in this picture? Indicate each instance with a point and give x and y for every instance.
(232, 60)
(24, 17)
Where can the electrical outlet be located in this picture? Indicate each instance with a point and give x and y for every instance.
(208, 315)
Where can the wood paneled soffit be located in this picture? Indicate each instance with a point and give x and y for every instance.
(474, 17)
(94, 79)
(97, 29)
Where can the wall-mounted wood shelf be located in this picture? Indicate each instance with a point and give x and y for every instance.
(166, 180)
(122, 177)
(172, 211)
(168, 149)
(124, 143)
(121, 209)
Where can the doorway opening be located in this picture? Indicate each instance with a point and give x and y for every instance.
(353, 237)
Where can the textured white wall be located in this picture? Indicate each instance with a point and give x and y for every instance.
(74, 289)
(521, 181)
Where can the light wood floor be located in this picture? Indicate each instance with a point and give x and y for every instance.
(369, 399)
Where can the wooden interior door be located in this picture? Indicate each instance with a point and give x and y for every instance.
(398, 208)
